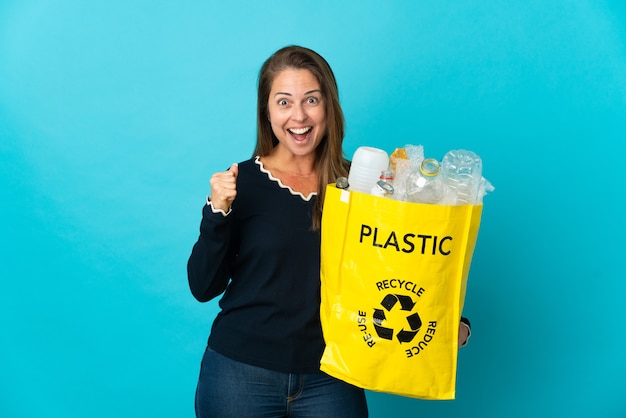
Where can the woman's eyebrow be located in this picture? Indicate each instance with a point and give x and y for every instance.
(289, 94)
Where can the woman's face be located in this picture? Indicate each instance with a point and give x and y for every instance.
(296, 111)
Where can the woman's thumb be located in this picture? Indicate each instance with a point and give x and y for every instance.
(234, 168)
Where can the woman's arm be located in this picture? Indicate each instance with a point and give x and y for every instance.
(209, 265)
(465, 331)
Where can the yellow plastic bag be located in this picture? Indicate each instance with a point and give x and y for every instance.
(393, 277)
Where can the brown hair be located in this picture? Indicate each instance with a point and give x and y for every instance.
(330, 162)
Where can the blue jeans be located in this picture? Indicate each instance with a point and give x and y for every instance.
(227, 388)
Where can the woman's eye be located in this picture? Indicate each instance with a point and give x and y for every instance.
(312, 100)
(282, 102)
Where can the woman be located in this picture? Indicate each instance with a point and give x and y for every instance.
(259, 244)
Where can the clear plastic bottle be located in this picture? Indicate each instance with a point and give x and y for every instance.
(425, 185)
(384, 186)
(462, 173)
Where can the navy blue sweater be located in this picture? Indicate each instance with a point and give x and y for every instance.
(265, 260)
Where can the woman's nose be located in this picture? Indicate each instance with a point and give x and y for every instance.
(299, 114)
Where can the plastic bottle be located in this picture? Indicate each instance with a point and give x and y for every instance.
(462, 173)
(366, 165)
(425, 185)
(384, 186)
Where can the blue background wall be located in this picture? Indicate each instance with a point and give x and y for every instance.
(113, 115)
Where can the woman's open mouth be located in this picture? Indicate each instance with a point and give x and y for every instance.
(300, 134)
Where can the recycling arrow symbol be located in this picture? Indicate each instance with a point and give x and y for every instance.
(412, 319)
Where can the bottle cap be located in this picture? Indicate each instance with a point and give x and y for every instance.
(385, 187)
(342, 183)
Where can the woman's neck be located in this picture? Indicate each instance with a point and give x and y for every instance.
(290, 164)
(298, 173)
